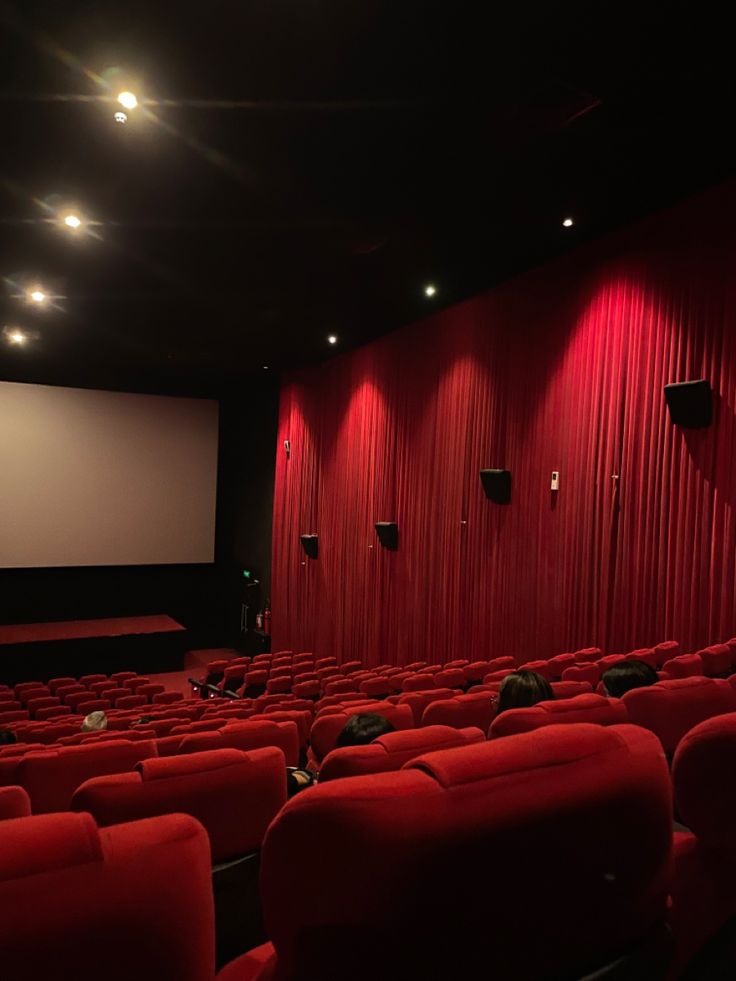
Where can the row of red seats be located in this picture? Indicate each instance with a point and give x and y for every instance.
(67, 696)
(595, 801)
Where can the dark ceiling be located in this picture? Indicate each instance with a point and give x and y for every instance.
(302, 168)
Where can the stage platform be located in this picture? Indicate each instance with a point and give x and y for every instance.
(39, 651)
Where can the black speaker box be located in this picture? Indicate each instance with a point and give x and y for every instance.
(497, 485)
(690, 403)
(388, 534)
(310, 544)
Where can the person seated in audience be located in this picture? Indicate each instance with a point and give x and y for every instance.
(94, 722)
(523, 689)
(363, 729)
(629, 674)
(144, 720)
(7, 738)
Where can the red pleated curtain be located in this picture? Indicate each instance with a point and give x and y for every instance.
(561, 369)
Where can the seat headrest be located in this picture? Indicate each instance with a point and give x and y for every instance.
(163, 768)
(46, 843)
(431, 737)
(556, 746)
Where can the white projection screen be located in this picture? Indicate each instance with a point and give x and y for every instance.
(105, 478)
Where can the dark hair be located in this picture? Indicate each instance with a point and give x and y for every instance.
(627, 675)
(523, 689)
(144, 719)
(7, 737)
(363, 729)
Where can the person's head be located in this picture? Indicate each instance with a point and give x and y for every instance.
(7, 737)
(144, 720)
(363, 729)
(522, 689)
(627, 675)
(95, 722)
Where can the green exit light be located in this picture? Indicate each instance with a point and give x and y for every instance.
(247, 574)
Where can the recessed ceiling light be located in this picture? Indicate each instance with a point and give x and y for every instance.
(568, 223)
(127, 100)
(332, 339)
(16, 336)
(37, 295)
(72, 221)
(121, 117)
(265, 367)
(430, 290)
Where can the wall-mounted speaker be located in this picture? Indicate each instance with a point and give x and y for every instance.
(388, 534)
(310, 544)
(497, 485)
(690, 403)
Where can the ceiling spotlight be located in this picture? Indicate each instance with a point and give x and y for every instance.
(430, 290)
(16, 336)
(121, 117)
(332, 339)
(37, 295)
(568, 223)
(72, 221)
(127, 100)
(265, 367)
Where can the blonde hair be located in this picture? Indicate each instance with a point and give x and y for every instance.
(95, 722)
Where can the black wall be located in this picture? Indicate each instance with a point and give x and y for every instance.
(206, 598)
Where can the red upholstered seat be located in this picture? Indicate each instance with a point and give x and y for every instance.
(247, 736)
(350, 666)
(461, 712)
(493, 676)
(418, 870)
(588, 654)
(327, 728)
(609, 661)
(569, 689)
(135, 900)
(704, 892)
(559, 663)
(14, 715)
(376, 687)
(717, 659)
(234, 794)
(52, 712)
(646, 654)
(419, 700)
(584, 708)
(14, 803)
(302, 718)
(326, 662)
(672, 708)
(450, 678)
(56, 683)
(666, 650)
(684, 666)
(583, 672)
(93, 705)
(306, 689)
(132, 701)
(46, 701)
(476, 671)
(165, 697)
(150, 690)
(341, 686)
(392, 751)
(501, 664)
(419, 682)
(540, 667)
(52, 777)
(135, 684)
(122, 677)
(91, 679)
(255, 682)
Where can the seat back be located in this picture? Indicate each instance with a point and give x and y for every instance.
(51, 777)
(234, 794)
(419, 700)
(461, 712)
(589, 672)
(14, 803)
(392, 751)
(672, 708)
(569, 688)
(583, 708)
(684, 666)
(401, 857)
(136, 899)
(248, 736)
(327, 728)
